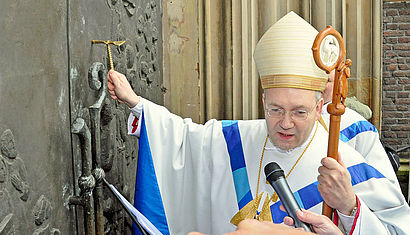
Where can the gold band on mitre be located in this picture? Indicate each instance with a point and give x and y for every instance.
(293, 81)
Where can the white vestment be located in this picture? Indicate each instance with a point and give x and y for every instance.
(193, 177)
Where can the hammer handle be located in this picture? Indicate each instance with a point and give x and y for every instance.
(110, 57)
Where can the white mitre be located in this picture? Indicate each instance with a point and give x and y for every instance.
(284, 57)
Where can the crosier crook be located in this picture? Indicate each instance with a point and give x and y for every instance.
(337, 107)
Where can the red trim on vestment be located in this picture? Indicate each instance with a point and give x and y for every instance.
(356, 216)
(335, 218)
(134, 124)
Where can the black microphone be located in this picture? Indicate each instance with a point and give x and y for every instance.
(276, 178)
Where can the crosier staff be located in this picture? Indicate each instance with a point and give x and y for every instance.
(329, 53)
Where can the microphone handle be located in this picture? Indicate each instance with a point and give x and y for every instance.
(289, 202)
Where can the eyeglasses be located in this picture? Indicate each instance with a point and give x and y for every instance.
(298, 115)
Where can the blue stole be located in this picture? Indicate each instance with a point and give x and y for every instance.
(354, 129)
(147, 197)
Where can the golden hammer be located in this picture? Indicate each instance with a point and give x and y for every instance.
(108, 42)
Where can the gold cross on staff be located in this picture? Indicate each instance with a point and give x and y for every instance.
(108, 42)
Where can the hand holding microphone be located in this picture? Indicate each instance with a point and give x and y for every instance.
(321, 224)
(276, 178)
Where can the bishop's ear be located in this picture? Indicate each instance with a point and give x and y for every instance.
(319, 108)
(263, 99)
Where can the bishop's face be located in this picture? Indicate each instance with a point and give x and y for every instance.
(290, 115)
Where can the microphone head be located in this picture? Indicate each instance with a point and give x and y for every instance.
(273, 172)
